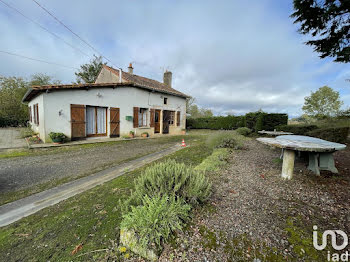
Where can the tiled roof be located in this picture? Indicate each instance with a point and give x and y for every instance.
(128, 80)
(146, 82)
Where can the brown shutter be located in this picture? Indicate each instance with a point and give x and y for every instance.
(136, 117)
(30, 114)
(78, 125)
(115, 122)
(178, 118)
(37, 113)
(152, 118)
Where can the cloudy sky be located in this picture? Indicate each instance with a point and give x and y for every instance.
(232, 56)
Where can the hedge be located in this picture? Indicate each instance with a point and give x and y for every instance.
(220, 122)
(255, 121)
(5, 122)
(334, 134)
(297, 129)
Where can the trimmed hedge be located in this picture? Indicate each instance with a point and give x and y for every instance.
(255, 121)
(216, 123)
(334, 134)
(297, 129)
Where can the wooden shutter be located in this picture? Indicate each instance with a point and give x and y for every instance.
(115, 122)
(152, 118)
(77, 113)
(30, 114)
(178, 118)
(37, 114)
(136, 117)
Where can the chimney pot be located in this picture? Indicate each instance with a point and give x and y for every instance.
(167, 78)
(130, 69)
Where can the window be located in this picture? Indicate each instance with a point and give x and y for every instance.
(165, 100)
(178, 114)
(36, 114)
(143, 112)
(172, 118)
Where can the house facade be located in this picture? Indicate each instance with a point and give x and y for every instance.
(117, 103)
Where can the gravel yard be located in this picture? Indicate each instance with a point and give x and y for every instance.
(256, 216)
(19, 173)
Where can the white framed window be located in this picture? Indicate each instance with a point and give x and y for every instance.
(143, 117)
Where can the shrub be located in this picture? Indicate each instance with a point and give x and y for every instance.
(172, 179)
(213, 162)
(225, 139)
(244, 131)
(26, 132)
(297, 129)
(156, 219)
(57, 136)
(335, 134)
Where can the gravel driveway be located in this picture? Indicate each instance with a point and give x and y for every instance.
(10, 138)
(23, 172)
(254, 215)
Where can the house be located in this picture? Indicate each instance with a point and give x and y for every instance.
(117, 103)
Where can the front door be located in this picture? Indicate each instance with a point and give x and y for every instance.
(96, 121)
(157, 121)
(115, 122)
(77, 114)
(166, 121)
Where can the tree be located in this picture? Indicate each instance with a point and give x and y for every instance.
(89, 72)
(195, 111)
(42, 79)
(325, 102)
(12, 89)
(328, 22)
(12, 111)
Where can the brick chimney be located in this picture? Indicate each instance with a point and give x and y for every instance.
(130, 69)
(167, 78)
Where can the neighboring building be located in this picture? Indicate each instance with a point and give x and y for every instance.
(111, 107)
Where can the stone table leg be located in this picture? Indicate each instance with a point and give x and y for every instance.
(288, 164)
(313, 163)
(327, 162)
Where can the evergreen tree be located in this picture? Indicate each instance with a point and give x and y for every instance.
(328, 22)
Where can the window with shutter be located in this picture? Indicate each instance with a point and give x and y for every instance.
(178, 118)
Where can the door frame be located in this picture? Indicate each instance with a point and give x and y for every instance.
(96, 135)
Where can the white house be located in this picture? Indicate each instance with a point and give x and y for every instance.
(117, 103)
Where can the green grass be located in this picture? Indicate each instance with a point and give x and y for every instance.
(15, 153)
(91, 218)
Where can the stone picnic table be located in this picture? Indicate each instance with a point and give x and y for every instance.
(320, 152)
(274, 133)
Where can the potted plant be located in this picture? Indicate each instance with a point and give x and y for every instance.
(183, 131)
(144, 134)
(57, 138)
(131, 134)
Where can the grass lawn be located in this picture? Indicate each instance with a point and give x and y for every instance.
(91, 218)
